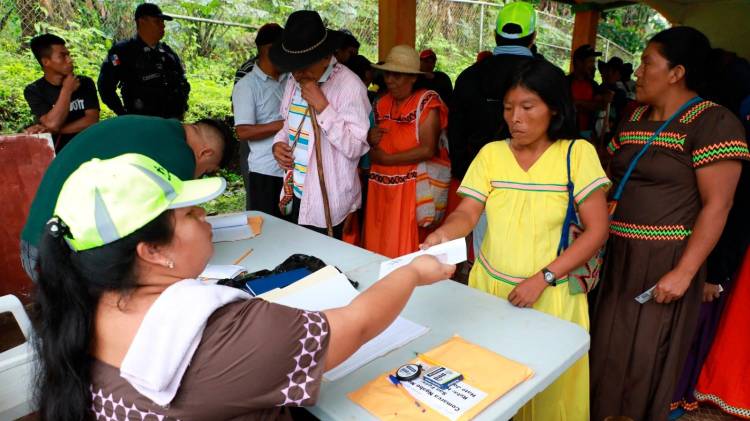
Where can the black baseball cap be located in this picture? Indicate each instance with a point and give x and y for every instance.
(585, 51)
(150, 9)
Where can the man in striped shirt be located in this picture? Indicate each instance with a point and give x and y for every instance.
(337, 98)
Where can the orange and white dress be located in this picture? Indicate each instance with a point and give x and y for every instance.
(390, 214)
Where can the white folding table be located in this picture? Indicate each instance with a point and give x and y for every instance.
(546, 344)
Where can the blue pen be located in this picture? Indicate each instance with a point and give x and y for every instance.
(396, 382)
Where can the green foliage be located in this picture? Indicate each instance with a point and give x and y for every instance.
(233, 199)
(16, 71)
(632, 26)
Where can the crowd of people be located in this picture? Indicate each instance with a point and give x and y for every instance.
(575, 197)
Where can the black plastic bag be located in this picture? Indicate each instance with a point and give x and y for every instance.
(295, 261)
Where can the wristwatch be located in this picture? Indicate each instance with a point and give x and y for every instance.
(549, 277)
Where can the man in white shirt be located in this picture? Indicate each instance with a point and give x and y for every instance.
(256, 101)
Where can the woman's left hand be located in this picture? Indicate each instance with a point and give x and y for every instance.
(528, 291)
(672, 286)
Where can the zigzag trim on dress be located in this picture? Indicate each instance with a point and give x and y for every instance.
(649, 232)
(731, 149)
(695, 111)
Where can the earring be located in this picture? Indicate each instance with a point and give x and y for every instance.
(170, 264)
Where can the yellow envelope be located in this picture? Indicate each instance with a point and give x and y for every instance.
(481, 368)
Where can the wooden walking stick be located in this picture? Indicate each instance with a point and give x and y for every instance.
(321, 174)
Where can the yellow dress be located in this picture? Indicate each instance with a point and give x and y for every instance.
(525, 212)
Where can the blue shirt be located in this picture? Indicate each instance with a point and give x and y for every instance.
(515, 50)
(256, 99)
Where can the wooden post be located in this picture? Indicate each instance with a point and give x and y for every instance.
(584, 31)
(397, 20)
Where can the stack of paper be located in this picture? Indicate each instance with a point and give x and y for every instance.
(326, 289)
(231, 227)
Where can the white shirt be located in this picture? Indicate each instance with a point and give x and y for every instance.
(256, 99)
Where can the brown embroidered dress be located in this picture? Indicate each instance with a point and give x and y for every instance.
(254, 361)
(637, 351)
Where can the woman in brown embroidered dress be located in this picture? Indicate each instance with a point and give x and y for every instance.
(669, 218)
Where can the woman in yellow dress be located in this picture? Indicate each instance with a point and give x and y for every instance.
(521, 183)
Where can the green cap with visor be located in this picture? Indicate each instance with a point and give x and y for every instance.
(519, 13)
(105, 200)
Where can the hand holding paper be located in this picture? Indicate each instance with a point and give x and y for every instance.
(451, 252)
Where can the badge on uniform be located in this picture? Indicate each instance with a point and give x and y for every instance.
(115, 60)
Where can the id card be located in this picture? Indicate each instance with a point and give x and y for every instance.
(646, 296)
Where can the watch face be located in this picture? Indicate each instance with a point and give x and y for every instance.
(549, 277)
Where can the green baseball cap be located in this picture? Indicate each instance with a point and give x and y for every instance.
(519, 13)
(105, 200)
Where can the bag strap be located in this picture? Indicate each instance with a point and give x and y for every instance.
(570, 214)
(442, 141)
(420, 108)
(321, 174)
(639, 155)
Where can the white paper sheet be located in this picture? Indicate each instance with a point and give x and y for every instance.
(451, 252)
(221, 271)
(336, 291)
(451, 403)
(230, 220)
(241, 232)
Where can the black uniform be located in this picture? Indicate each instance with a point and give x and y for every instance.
(151, 80)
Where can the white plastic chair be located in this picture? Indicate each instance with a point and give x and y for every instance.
(16, 366)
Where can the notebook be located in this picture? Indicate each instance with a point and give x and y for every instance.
(234, 227)
(280, 280)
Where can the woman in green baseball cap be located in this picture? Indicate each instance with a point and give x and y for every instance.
(126, 331)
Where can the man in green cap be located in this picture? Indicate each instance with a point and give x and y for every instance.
(186, 150)
(476, 116)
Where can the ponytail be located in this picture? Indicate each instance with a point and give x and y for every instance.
(70, 286)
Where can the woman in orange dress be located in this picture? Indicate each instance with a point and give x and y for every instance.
(399, 143)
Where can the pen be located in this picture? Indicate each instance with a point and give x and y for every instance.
(396, 382)
(241, 258)
(428, 360)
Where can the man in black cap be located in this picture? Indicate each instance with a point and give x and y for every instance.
(326, 118)
(149, 74)
(256, 99)
(588, 97)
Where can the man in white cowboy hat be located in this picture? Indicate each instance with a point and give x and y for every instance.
(326, 118)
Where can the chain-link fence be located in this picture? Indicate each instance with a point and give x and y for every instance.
(113, 17)
(459, 29)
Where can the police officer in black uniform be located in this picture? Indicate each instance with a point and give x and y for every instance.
(149, 74)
